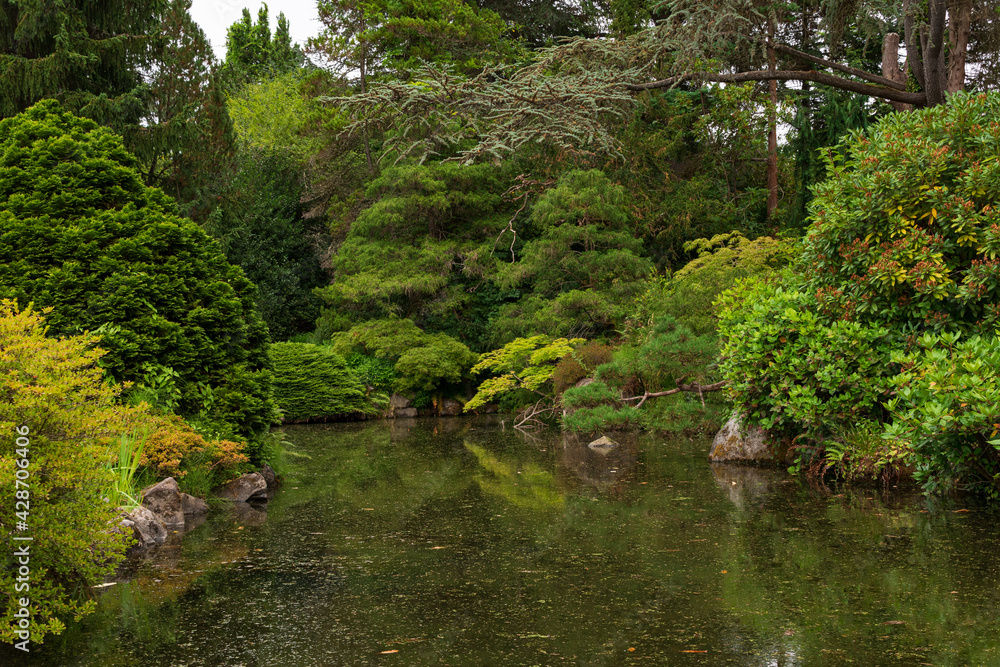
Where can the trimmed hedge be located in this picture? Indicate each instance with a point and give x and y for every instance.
(311, 383)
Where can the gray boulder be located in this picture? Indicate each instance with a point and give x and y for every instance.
(399, 401)
(193, 506)
(248, 488)
(164, 500)
(270, 478)
(736, 442)
(603, 445)
(147, 529)
(403, 413)
(450, 408)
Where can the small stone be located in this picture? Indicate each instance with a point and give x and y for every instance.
(603, 443)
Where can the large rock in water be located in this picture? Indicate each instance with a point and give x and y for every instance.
(450, 408)
(248, 488)
(735, 442)
(164, 500)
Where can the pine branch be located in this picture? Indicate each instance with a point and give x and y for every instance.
(698, 388)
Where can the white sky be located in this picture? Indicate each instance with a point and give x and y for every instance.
(215, 17)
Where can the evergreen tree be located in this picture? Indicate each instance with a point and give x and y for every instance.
(81, 233)
(253, 54)
(185, 143)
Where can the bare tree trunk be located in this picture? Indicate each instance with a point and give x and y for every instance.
(914, 53)
(959, 27)
(934, 70)
(364, 85)
(890, 66)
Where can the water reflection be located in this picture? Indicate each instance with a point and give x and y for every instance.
(454, 542)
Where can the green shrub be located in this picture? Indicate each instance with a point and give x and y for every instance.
(422, 362)
(313, 383)
(582, 362)
(795, 372)
(947, 410)
(80, 232)
(906, 230)
(668, 355)
(56, 412)
(523, 369)
(688, 295)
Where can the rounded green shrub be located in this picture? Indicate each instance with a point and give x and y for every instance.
(906, 230)
(792, 370)
(311, 383)
(79, 232)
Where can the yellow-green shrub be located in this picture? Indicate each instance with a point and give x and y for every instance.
(173, 448)
(55, 389)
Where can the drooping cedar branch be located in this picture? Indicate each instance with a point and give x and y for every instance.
(695, 388)
(883, 92)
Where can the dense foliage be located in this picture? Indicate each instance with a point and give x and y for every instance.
(59, 416)
(311, 383)
(82, 234)
(901, 257)
(905, 231)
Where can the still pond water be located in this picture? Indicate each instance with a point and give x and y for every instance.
(426, 542)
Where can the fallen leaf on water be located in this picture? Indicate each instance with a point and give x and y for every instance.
(631, 648)
(111, 583)
(957, 511)
(368, 509)
(725, 571)
(439, 547)
(395, 650)
(240, 528)
(894, 623)
(694, 651)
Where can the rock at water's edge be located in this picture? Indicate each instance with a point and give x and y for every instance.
(146, 527)
(193, 506)
(399, 401)
(248, 488)
(450, 408)
(270, 478)
(164, 500)
(404, 412)
(734, 442)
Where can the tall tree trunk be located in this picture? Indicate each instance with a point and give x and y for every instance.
(959, 27)
(934, 70)
(364, 85)
(772, 140)
(890, 66)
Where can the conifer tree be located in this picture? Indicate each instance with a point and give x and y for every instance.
(89, 55)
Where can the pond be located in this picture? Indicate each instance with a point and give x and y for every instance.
(456, 542)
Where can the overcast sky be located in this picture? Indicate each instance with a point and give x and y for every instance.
(215, 17)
